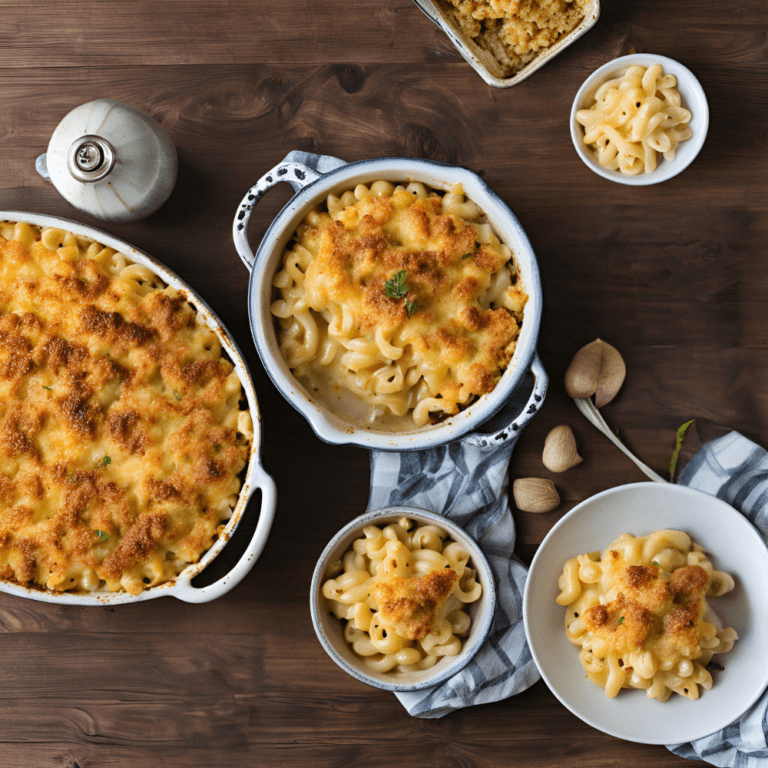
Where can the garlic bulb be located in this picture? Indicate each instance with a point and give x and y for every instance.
(597, 369)
(560, 450)
(535, 494)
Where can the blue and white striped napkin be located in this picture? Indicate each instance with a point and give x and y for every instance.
(735, 470)
(467, 481)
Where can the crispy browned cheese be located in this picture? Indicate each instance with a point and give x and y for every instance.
(653, 610)
(413, 604)
(451, 330)
(119, 452)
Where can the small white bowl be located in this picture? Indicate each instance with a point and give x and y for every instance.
(735, 547)
(330, 630)
(694, 100)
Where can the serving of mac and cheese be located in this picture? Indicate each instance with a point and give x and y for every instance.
(638, 611)
(121, 430)
(634, 118)
(402, 297)
(514, 32)
(403, 592)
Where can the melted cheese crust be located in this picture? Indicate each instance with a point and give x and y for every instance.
(413, 606)
(639, 612)
(121, 437)
(403, 593)
(432, 347)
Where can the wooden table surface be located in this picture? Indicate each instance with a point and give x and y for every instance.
(674, 275)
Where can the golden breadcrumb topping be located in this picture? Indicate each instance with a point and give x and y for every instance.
(654, 612)
(515, 31)
(119, 444)
(412, 605)
(444, 318)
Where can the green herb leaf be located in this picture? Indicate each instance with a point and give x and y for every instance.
(409, 307)
(48, 388)
(466, 255)
(177, 395)
(621, 620)
(681, 430)
(106, 461)
(395, 287)
(714, 666)
(101, 536)
(653, 562)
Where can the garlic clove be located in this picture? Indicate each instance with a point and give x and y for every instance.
(535, 494)
(596, 369)
(560, 451)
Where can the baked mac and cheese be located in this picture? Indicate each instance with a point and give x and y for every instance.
(403, 594)
(403, 297)
(121, 433)
(514, 32)
(639, 612)
(633, 118)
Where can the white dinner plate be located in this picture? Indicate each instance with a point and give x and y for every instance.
(733, 544)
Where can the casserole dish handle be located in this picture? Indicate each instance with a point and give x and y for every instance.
(511, 419)
(184, 590)
(299, 169)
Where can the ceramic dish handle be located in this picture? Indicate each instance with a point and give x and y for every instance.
(521, 416)
(189, 594)
(299, 169)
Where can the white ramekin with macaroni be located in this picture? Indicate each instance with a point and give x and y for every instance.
(402, 598)
(640, 119)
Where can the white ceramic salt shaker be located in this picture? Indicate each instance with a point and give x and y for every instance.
(111, 160)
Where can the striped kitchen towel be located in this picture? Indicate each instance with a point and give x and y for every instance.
(467, 481)
(735, 470)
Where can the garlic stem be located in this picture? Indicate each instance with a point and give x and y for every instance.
(588, 409)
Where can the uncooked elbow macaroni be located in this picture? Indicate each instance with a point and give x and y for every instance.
(639, 613)
(634, 117)
(401, 296)
(403, 593)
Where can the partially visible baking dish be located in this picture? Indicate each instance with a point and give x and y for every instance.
(386, 188)
(490, 59)
(129, 429)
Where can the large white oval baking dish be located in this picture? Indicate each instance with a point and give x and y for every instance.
(334, 176)
(254, 478)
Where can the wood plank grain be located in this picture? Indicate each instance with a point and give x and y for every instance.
(674, 275)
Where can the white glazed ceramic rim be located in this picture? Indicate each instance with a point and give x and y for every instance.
(327, 425)
(735, 547)
(478, 59)
(693, 97)
(255, 476)
(329, 629)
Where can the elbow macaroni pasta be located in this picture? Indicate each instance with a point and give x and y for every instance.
(638, 611)
(409, 354)
(634, 117)
(395, 566)
(121, 430)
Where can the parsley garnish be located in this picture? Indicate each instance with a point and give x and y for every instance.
(395, 288)
(177, 395)
(466, 255)
(106, 461)
(621, 620)
(714, 666)
(653, 562)
(101, 536)
(48, 388)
